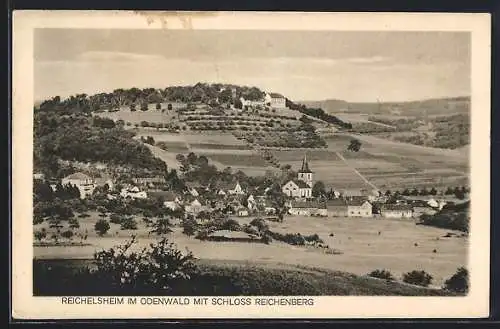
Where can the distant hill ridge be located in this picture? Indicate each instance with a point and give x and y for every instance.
(434, 106)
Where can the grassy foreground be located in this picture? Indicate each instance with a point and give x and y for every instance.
(70, 277)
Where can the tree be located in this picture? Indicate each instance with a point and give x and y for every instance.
(40, 235)
(238, 104)
(161, 226)
(144, 106)
(128, 224)
(405, 192)
(156, 269)
(459, 194)
(354, 145)
(382, 274)
(449, 191)
(433, 191)
(459, 282)
(133, 108)
(169, 107)
(158, 106)
(420, 278)
(101, 227)
(424, 192)
(189, 227)
(318, 189)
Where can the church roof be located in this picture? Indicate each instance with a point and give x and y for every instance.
(301, 184)
(305, 166)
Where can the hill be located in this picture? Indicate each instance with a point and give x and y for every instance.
(433, 107)
(228, 279)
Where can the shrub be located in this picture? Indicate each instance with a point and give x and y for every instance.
(189, 227)
(128, 224)
(420, 278)
(115, 219)
(40, 235)
(459, 282)
(381, 274)
(101, 227)
(156, 268)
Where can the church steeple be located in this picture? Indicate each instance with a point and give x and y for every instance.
(305, 165)
(305, 174)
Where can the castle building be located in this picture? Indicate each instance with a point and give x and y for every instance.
(301, 187)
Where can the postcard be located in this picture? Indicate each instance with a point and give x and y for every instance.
(202, 165)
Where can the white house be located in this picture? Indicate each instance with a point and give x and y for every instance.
(83, 182)
(251, 202)
(194, 207)
(134, 193)
(193, 192)
(242, 211)
(236, 190)
(276, 101)
(396, 211)
(436, 204)
(359, 208)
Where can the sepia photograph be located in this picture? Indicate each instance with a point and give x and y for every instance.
(230, 162)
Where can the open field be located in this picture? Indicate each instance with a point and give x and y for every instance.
(363, 250)
(386, 164)
(399, 165)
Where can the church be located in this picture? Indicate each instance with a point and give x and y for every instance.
(301, 187)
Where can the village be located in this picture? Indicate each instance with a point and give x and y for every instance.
(236, 200)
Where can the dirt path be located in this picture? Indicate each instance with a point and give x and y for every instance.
(355, 170)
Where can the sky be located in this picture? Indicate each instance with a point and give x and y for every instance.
(302, 65)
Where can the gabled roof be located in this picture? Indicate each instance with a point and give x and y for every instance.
(336, 203)
(356, 202)
(276, 95)
(396, 207)
(78, 175)
(299, 183)
(306, 204)
(166, 195)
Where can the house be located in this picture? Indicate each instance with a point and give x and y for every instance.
(357, 207)
(103, 181)
(436, 204)
(419, 211)
(336, 208)
(193, 192)
(276, 101)
(195, 207)
(83, 182)
(236, 190)
(251, 203)
(38, 176)
(304, 208)
(302, 186)
(170, 200)
(133, 193)
(242, 211)
(148, 180)
(396, 211)
(247, 102)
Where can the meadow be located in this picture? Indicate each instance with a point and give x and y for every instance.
(402, 246)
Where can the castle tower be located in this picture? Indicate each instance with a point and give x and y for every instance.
(305, 174)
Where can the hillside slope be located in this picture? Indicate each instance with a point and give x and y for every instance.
(229, 279)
